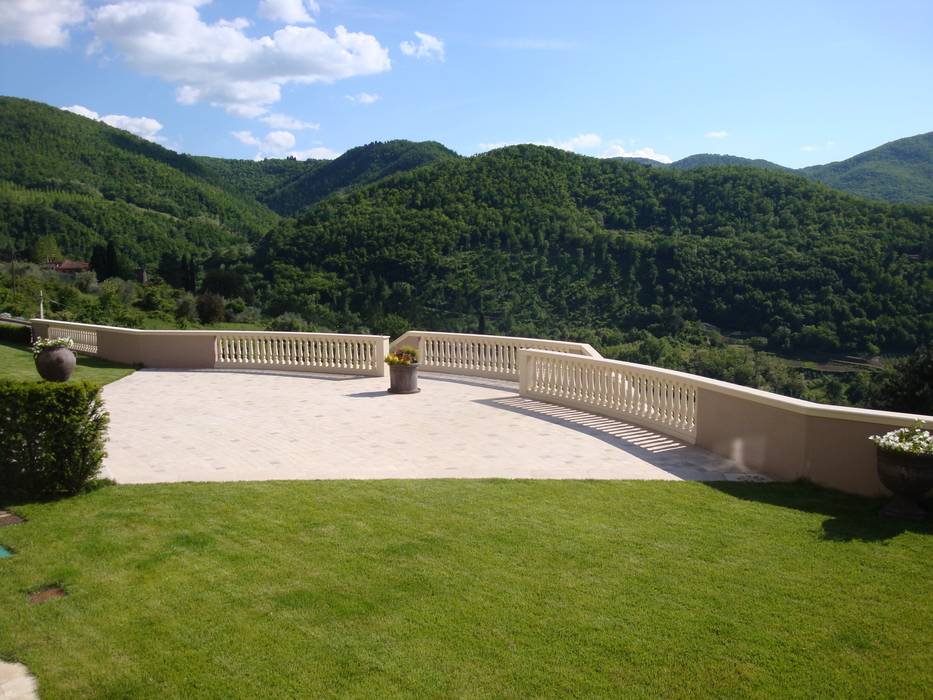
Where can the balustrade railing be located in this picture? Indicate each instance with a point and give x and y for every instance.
(85, 339)
(205, 349)
(328, 352)
(492, 356)
(659, 399)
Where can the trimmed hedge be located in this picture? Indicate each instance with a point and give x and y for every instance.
(15, 333)
(51, 438)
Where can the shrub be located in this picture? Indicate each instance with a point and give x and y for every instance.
(53, 437)
(211, 307)
(186, 309)
(14, 333)
(289, 321)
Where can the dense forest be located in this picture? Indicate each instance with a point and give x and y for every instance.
(530, 239)
(738, 272)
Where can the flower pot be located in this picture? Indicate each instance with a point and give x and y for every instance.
(909, 478)
(403, 379)
(56, 364)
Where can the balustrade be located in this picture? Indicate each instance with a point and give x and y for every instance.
(492, 356)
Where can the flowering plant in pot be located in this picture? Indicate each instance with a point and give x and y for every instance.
(54, 357)
(403, 370)
(905, 466)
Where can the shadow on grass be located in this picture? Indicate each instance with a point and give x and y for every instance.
(93, 362)
(12, 500)
(849, 518)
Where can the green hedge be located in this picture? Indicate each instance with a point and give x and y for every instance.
(14, 333)
(51, 438)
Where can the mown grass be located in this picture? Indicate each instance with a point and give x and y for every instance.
(469, 589)
(16, 362)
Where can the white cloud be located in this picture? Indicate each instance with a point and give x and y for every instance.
(579, 144)
(275, 143)
(316, 153)
(364, 98)
(808, 148)
(83, 111)
(219, 64)
(289, 11)
(43, 23)
(427, 47)
(716, 134)
(283, 121)
(144, 127)
(617, 150)
(246, 137)
(583, 142)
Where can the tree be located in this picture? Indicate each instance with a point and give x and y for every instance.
(45, 249)
(907, 386)
(211, 307)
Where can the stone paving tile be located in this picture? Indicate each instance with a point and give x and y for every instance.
(169, 426)
(16, 683)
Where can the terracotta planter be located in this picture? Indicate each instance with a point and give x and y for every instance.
(56, 364)
(403, 379)
(909, 478)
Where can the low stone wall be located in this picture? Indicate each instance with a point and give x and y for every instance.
(207, 349)
(781, 437)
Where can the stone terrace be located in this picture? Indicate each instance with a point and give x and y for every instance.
(226, 425)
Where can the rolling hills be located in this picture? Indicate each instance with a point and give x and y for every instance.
(899, 171)
(88, 183)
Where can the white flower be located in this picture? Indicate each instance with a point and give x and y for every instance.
(913, 441)
(51, 343)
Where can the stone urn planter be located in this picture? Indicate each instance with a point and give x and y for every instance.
(403, 370)
(55, 360)
(909, 477)
(403, 379)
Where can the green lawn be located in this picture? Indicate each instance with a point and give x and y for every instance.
(16, 363)
(469, 589)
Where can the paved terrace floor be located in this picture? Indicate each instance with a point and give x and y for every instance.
(241, 425)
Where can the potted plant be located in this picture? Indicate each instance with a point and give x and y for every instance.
(905, 466)
(55, 359)
(403, 370)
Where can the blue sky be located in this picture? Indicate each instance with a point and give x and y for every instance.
(794, 82)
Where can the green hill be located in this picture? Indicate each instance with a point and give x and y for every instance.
(899, 171)
(86, 183)
(255, 179)
(534, 240)
(358, 166)
(701, 160)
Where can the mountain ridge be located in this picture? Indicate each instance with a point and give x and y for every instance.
(899, 171)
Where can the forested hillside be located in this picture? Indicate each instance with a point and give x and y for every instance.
(358, 166)
(699, 268)
(535, 240)
(255, 179)
(899, 171)
(701, 160)
(87, 184)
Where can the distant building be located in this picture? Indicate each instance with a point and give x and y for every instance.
(71, 266)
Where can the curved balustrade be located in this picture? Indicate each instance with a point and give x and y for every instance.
(665, 401)
(493, 356)
(782, 437)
